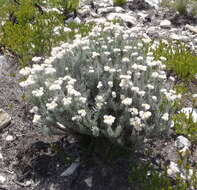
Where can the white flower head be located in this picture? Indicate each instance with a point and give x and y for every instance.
(109, 119)
(127, 101)
(125, 60)
(36, 119)
(82, 112)
(95, 131)
(136, 122)
(36, 59)
(145, 115)
(113, 94)
(55, 87)
(67, 101)
(146, 106)
(82, 100)
(110, 83)
(38, 92)
(154, 74)
(194, 96)
(165, 117)
(106, 68)
(34, 109)
(134, 111)
(51, 106)
(25, 71)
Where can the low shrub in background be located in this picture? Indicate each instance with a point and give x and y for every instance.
(183, 7)
(31, 28)
(179, 59)
(119, 2)
(101, 85)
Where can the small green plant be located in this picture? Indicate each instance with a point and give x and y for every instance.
(28, 30)
(184, 7)
(119, 2)
(179, 59)
(181, 6)
(185, 126)
(176, 176)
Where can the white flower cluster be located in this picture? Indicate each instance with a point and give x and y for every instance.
(103, 85)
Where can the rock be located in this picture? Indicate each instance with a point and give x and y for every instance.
(165, 24)
(88, 181)
(103, 3)
(5, 119)
(154, 3)
(175, 37)
(2, 179)
(85, 10)
(182, 142)
(189, 110)
(191, 28)
(70, 170)
(106, 10)
(9, 138)
(1, 156)
(173, 169)
(124, 17)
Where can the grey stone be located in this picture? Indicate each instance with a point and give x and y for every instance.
(2, 179)
(165, 24)
(70, 170)
(5, 119)
(124, 17)
(88, 181)
(182, 142)
(191, 28)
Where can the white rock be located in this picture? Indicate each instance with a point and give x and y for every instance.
(70, 170)
(154, 3)
(175, 36)
(173, 169)
(189, 110)
(165, 24)
(191, 28)
(2, 179)
(119, 10)
(106, 10)
(85, 10)
(77, 20)
(88, 181)
(182, 142)
(9, 138)
(1, 156)
(124, 17)
(4, 119)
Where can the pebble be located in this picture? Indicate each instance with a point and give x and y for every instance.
(9, 138)
(173, 169)
(70, 170)
(5, 119)
(88, 181)
(189, 110)
(2, 179)
(182, 142)
(165, 24)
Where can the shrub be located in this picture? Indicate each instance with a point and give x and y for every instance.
(119, 2)
(180, 59)
(28, 29)
(184, 7)
(101, 85)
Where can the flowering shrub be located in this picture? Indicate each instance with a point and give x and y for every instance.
(101, 85)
